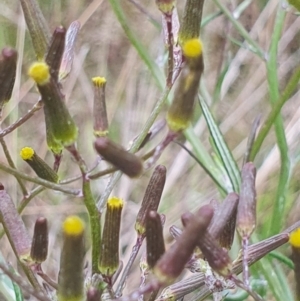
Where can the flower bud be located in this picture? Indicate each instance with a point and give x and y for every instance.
(8, 66)
(37, 27)
(190, 25)
(155, 239)
(39, 247)
(222, 226)
(60, 127)
(55, 51)
(127, 162)
(181, 110)
(109, 255)
(171, 264)
(41, 168)
(14, 227)
(151, 198)
(70, 278)
(99, 111)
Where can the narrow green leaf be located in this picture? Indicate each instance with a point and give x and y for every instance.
(222, 148)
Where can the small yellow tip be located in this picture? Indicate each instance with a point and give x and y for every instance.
(73, 226)
(192, 48)
(295, 238)
(115, 203)
(39, 72)
(99, 81)
(26, 153)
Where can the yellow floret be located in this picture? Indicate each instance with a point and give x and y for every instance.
(295, 238)
(26, 153)
(99, 81)
(39, 72)
(192, 48)
(114, 203)
(73, 225)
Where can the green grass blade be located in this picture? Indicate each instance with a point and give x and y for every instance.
(224, 153)
(277, 219)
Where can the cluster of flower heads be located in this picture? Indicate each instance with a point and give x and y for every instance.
(202, 244)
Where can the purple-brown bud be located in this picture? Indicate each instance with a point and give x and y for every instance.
(173, 261)
(8, 66)
(55, 51)
(14, 227)
(99, 110)
(155, 239)
(222, 226)
(127, 162)
(152, 197)
(39, 247)
(109, 255)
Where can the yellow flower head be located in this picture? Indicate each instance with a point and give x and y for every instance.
(73, 226)
(114, 203)
(99, 81)
(192, 48)
(26, 153)
(295, 238)
(40, 73)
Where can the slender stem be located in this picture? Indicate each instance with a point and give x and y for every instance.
(39, 181)
(12, 164)
(170, 43)
(91, 208)
(241, 29)
(133, 255)
(19, 280)
(23, 119)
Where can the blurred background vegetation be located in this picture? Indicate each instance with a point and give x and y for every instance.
(235, 86)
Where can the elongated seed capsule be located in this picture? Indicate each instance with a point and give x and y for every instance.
(246, 215)
(39, 246)
(59, 121)
(109, 255)
(41, 168)
(173, 261)
(259, 250)
(190, 25)
(127, 162)
(155, 239)
(295, 244)
(223, 222)
(165, 6)
(70, 278)
(8, 66)
(37, 27)
(99, 110)
(181, 110)
(14, 226)
(152, 197)
(55, 51)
